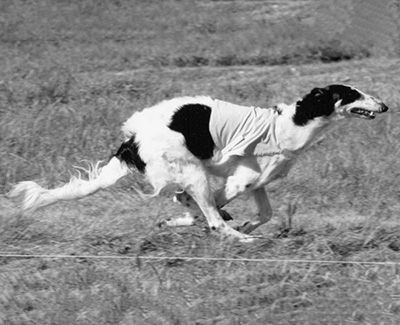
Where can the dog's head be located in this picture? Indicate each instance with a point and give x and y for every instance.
(337, 101)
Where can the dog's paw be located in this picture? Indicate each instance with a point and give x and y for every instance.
(186, 220)
(250, 239)
(247, 227)
(228, 233)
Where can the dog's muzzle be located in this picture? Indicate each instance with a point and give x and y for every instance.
(363, 112)
(369, 114)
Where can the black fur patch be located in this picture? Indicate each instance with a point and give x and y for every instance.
(345, 93)
(192, 120)
(321, 102)
(129, 152)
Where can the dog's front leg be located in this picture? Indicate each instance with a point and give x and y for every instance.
(197, 186)
(193, 179)
(250, 175)
(245, 175)
(244, 178)
(264, 211)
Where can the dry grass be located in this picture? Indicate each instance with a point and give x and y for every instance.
(73, 71)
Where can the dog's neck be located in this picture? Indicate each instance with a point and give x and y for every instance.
(293, 138)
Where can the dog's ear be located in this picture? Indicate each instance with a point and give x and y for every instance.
(322, 96)
(319, 102)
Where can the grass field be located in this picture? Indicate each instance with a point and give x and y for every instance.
(73, 71)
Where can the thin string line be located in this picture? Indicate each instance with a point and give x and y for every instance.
(188, 258)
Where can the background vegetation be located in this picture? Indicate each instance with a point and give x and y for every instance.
(73, 71)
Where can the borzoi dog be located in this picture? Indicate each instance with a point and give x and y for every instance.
(191, 141)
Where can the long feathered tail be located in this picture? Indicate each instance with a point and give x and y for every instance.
(32, 196)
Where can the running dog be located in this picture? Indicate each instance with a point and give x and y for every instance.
(192, 141)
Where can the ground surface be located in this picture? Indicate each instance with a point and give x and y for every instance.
(72, 72)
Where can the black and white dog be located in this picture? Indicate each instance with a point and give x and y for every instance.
(214, 151)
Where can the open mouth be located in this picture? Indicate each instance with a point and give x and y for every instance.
(363, 112)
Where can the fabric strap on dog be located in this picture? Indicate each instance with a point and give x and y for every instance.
(242, 130)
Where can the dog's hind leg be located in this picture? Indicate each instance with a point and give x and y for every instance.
(190, 218)
(264, 211)
(200, 190)
(190, 174)
(239, 182)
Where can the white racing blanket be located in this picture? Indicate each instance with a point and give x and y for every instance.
(241, 130)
